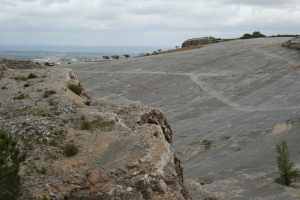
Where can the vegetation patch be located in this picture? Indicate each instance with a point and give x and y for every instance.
(74, 88)
(3, 88)
(10, 159)
(88, 103)
(103, 125)
(71, 149)
(207, 143)
(53, 143)
(21, 96)
(86, 125)
(48, 93)
(155, 133)
(31, 75)
(26, 84)
(19, 78)
(43, 170)
(284, 163)
(255, 34)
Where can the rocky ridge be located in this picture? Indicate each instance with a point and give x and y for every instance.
(198, 41)
(17, 64)
(293, 43)
(125, 153)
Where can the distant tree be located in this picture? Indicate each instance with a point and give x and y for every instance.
(177, 47)
(159, 50)
(154, 53)
(246, 36)
(117, 57)
(147, 54)
(113, 57)
(126, 56)
(37, 63)
(256, 33)
(284, 163)
(106, 57)
(141, 54)
(69, 62)
(10, 180)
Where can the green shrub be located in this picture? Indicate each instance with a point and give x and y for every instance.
(57, 113)
(53, 143)
(155, 133)
(3, 88)
(86, 125)
(74, 88)
(43, 170)
(71, 149)
(10, 159)
(46, 94)
(284, 163)
(82, 117)
(31, 75)
(19, 78)
(88, 103)
(26, 85)
(21, 96)
(207, 144)
(51, 92)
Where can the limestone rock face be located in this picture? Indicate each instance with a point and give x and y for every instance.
(197, 41)
(293, 43)
(126, 153)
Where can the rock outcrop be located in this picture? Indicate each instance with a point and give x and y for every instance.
(17, 64)
(198, 41)
(293, 43)
(125, 148)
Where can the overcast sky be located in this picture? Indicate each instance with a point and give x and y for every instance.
(142, 22)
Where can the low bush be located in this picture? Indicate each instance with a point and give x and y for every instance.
(31, 75)
(86, 125)
(3, 88)
(155, 134)
(19, 78)
(53, 143)
(207, 144)
(43, 170)
(74, 88)
(21, 96)
(48, 93)
(88, 103)
(10, 159)
(71, 149)
(51, 92)
(82, 117)
(26, 85)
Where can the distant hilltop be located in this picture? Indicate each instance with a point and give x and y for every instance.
(202, 41)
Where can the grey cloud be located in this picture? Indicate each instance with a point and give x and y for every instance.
(119, 19)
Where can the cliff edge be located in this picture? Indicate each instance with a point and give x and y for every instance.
(124, 148)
